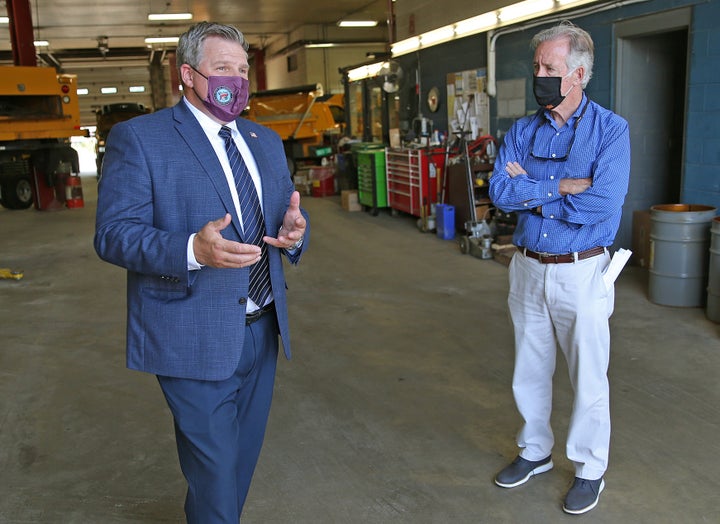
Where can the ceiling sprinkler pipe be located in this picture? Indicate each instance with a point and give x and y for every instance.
(493, 35)
(491, 84)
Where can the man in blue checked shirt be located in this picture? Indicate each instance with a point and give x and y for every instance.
(565, 172)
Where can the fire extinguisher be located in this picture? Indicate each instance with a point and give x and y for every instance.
(73, 192)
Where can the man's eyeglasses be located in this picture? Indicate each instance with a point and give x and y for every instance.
(572, 140)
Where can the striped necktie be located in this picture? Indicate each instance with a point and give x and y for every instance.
(253, 222)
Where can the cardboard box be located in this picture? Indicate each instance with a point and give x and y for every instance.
(503, 240)
(394, 137)
(480, 213)
(349, 198)
(641, 238)
(304, 188)
(302, 181)
(504, 256)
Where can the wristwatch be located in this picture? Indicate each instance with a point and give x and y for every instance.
(297, 245)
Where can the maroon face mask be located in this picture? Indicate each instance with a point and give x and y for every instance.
(227, 96)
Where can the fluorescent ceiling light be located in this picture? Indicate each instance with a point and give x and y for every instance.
(162, 40)
(170, 16)
(357, 74)
(366, 71)
(357, 23)
(476, 24)
(83, 91)
(524, 9)
(4, 20)
(108, 90)
(41, 43)
(438, 35)
(136, 89)
(326, 44)
(405, 46)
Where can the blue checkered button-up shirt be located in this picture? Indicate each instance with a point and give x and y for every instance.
(600, 150)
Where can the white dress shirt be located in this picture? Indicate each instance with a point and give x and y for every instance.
(211, 129)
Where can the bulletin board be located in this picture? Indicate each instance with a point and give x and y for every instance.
(468, 103)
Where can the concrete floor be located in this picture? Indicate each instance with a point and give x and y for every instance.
(396, 407)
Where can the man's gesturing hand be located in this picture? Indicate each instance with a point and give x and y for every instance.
(293, 226)
(211, 249)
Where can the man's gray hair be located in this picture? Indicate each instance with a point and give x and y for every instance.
(581, 53)
(190, 46)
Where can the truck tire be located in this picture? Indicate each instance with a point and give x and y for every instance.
(17, 192)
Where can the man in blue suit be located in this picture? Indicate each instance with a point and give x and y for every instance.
(182, 193)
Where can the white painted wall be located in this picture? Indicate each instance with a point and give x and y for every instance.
(316, 65)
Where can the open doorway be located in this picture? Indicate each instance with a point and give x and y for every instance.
(85, 147)
(652, 56)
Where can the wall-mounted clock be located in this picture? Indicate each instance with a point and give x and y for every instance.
(433, 99)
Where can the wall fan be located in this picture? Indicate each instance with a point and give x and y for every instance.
(391, 74)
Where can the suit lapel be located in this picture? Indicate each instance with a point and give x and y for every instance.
(197, 142)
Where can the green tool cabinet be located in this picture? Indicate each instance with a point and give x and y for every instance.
(372, 184)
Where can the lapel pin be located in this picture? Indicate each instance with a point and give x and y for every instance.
(252, 134)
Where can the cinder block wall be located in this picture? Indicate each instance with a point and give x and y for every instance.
(702, 145)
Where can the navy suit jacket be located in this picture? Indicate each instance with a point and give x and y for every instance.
(162, 181)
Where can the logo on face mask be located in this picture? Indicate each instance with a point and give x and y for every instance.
(226, 97)
(223, 95)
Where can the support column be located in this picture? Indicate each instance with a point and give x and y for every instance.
(157, 81)
(21, 32)
(258, 66)
(174, 77)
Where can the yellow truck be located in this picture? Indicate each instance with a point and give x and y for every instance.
(308, 121)
(39, 112)
(107, 117)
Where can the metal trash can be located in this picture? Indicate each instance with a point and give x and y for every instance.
(712, 310)
(679, 242)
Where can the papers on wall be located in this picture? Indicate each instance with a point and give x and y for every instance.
(468, 103)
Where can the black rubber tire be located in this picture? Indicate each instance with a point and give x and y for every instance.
(17, 192)
(464, 245)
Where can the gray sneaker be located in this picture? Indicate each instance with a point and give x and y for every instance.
(520, 471)
(583, 496)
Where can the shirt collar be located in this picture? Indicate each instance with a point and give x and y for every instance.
(210, 126)
(570, 121)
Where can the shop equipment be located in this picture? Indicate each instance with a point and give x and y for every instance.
(372, 182)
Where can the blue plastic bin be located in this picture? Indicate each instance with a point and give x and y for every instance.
(445, 221)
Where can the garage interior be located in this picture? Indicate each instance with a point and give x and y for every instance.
(397, 405)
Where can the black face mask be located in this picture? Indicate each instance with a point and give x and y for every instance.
(547, 91)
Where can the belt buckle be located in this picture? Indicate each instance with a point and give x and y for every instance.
(555, 258)
(545, 257)
(254, 316)
(250, 318)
